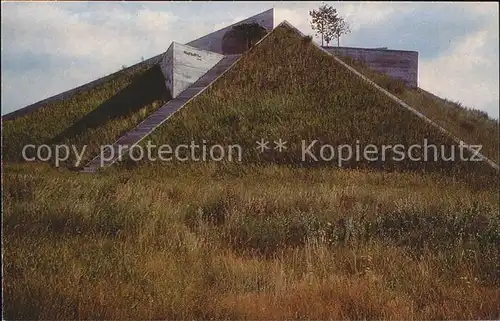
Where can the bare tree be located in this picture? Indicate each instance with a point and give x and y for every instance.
(340, 28)
(328, 24)
(321, 21)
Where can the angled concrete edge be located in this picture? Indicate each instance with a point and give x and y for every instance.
(196, 48)
(396, 99)
(371, 49)
(211, 83)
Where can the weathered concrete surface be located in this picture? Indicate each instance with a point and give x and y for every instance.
(400, 64)
(213, 41)
(167, 67)
(182, 65)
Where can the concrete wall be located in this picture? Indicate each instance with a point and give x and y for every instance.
(399, 64)
(213, 41)
(167, 67)
(182, 65)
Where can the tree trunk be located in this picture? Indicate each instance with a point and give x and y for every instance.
(338, 41)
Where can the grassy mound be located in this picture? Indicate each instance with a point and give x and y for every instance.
(287, 88)
(95, 117)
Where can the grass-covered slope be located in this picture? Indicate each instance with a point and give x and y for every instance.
(94, 117)
(471, 125)
(287, 88)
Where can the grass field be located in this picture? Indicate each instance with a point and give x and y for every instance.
(266, 242)
(268, 238)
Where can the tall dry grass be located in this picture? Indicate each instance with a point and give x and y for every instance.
(266, 242)
(265, 239)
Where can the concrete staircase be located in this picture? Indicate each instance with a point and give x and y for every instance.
(133, 137)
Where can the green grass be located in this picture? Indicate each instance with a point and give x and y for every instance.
(271, 242)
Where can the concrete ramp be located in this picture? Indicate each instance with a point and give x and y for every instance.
(121, 147)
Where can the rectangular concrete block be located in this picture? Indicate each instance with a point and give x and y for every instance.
(183, 65)
(400, 64)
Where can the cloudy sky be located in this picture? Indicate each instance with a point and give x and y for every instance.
(54, 46)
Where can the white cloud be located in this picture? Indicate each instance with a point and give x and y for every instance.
(295, 16)
(95, 44)
(468, 72)
(101, 37)
(46, 28)
(358, 14)
(362, 15)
